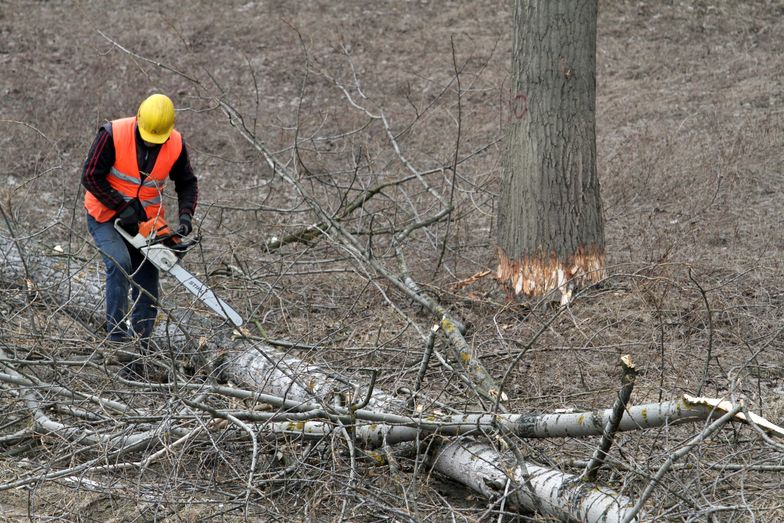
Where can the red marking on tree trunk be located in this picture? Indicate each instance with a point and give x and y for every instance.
(519, 105)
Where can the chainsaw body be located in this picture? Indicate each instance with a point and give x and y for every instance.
(163, 248)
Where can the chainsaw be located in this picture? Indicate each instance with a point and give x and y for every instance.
(164, 249)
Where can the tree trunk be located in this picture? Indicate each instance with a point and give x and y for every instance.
(550, 227)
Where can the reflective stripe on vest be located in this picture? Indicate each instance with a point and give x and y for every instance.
(125, 177)
(148, 182)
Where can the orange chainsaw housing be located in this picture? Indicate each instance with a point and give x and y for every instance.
(156, 228)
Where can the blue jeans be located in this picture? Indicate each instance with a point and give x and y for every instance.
(123, 265)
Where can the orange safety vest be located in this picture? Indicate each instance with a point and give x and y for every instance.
(124, 175)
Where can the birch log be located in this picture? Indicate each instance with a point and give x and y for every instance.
(386, 427)
(554, 493)
(476, 465)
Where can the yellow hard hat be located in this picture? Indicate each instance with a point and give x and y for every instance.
(155, 118)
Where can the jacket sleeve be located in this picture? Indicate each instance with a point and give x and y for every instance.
(96, 168)
(185, 183)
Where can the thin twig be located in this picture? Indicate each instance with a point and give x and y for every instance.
(600, 454)
(688, 447)
(708, 356)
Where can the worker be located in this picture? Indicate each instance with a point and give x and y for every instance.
(124, 174)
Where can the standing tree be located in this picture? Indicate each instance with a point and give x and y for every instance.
(550, 227)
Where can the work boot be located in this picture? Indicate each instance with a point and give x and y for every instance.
(157, 374)
(134, 371)
(132, 359)
(121, 351)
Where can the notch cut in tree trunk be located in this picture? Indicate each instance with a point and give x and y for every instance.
(542, 273)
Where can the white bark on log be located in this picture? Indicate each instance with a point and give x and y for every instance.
(554, 493)
(267, 370)
(394, 428)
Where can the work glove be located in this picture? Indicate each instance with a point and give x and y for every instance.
(186, 225)
(130, 216)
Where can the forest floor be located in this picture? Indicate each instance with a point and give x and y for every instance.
(690, 127)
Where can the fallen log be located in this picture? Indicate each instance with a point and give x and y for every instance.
(554, 493)
(295, 386)
(385, 427)
(262, 370)
(266, 370)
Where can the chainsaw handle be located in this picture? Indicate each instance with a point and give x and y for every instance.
(137, 241)
(171, 241)
(176, 242)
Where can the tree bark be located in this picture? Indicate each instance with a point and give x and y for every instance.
(474, 464)
(550, 226)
